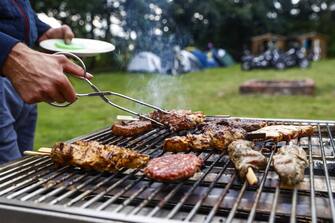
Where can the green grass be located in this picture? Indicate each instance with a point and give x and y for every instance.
(214, 91)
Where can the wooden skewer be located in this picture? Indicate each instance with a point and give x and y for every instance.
(36, 153)
(251, 177)
(126, 118)
(45, 150)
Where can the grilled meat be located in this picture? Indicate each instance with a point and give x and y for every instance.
(173, 167)
(93, 155)
(179, 119)
(188, 142)
(216, 136)
(131, 128)
(243, 157)
(290, 163)
(223, 136)
(285, 132)
(247, 125)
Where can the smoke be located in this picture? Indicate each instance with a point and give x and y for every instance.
(162, 90)
(148, 23)
(150, 28)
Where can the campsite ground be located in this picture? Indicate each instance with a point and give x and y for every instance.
(214, 91)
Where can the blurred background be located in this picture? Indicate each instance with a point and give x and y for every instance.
(269, 58)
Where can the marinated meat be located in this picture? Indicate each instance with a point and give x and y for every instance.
(93, 155)
(247, 125)
(179, 119)
(176, 144)
(173, 167)
(187, 143)
(285, 132)
(216, 136)
(131, 128)
(223, 136)
(243, 156)
(290, 163)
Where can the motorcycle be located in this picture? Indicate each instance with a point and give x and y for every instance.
(273, 58)
(264, 60)
(291, 58)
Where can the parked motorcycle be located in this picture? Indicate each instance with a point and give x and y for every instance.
(291, 58)
(264, 60)
(273, 58)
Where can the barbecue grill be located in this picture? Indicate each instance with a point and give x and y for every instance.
(33, 189)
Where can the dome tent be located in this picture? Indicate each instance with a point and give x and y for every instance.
(146, 62)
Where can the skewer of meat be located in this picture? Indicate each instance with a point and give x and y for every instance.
(285, 132)
(95, 156)
(216, 136)
(179, 119)
(186, 143)
(246, 159)
(290, 162)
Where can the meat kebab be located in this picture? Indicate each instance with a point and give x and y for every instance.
(214, 135)
(95, 156)
(187, 143)
(290, 162)
(243, 156)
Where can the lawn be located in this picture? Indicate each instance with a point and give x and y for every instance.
(213, 91)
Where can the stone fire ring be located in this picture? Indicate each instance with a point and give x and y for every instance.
(279, 87)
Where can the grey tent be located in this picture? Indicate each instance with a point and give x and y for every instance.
(146, 62)
(184, 62)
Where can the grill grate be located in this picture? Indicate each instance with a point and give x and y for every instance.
(33, 187)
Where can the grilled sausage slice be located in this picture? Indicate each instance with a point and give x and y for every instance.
(131, 128)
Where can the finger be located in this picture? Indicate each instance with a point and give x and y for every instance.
(43, 37)
(66, 90)
(46, 98)
(56, 96)
(67, 34)
(74, 69)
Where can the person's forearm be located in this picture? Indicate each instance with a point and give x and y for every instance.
(6, 44)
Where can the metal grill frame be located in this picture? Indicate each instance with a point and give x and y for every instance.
(22, 209)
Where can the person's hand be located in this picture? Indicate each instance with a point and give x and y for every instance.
(40, 77)
(63, 32)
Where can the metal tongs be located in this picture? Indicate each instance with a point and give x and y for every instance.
(102, 94)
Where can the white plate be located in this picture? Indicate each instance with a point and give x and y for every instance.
(84, 47)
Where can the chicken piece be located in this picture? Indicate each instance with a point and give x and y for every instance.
(290, 163)
(218, 136)
(131, 128)
(187, 143)
(179, 119)
(93, 155)
(243, 156)
(222, 136)
(177, 144)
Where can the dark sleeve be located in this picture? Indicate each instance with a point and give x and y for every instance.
(6, 44)
(41, 26)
